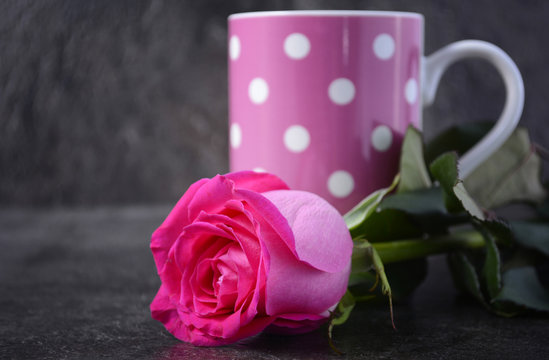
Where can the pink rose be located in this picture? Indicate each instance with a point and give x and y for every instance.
(241, 252)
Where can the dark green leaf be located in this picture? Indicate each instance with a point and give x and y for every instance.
(419, 202)
(388, 225)
(467, 201)
(465, 276)
(459, 138)
(512, 173)
(491, 271)
(500, 229)
(360, 213)
(532, 235)
(445, 170)
(521, 286)
(413, 172)
(424, 208)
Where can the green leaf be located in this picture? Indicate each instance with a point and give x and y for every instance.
(512, 173)
(500, 229)
(358, 215)
(388, 225)
(465, 276)
(445, 170)
(521, 286)
(532, 235)
(491, 271)
(467, 201)
(413, 171)
(424, 209)
(418, 202)
(459, 138)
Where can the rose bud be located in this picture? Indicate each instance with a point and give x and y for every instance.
(241, 252)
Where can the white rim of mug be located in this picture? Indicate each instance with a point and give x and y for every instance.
(328, 13)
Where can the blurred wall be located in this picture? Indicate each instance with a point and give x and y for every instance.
(105, 102)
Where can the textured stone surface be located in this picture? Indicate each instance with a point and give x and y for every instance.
(126, 101)
(76, 284)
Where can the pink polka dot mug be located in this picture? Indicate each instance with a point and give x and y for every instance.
(323, 98)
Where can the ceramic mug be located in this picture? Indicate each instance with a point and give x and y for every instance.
(323, 98)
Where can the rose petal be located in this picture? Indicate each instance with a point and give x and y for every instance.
(227, 293)
(321, 236)
(205, 276)
(198, 337)
(198, 241)
(220, 326)
(164, 311)
(240, 229)
(171, 275)
(191, 328)
(258, 182)
(294, 286)
(164, 237)
(211, 197)
(263, 208)
(248, 261)
(247, 276)
(255, 304)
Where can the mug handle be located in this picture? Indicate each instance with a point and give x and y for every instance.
(435, 65)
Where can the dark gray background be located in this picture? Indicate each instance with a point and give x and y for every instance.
(108, 102)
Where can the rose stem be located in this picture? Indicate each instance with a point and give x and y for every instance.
(408, 249)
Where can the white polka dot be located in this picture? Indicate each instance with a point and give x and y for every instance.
(384, 46)
(236, 136)
(258, 90)
(234, 47)
(260, 170)
(341, 91)
(382, 138)
(296, 138)
(410, 91)
(297, 46)
(341, 183)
